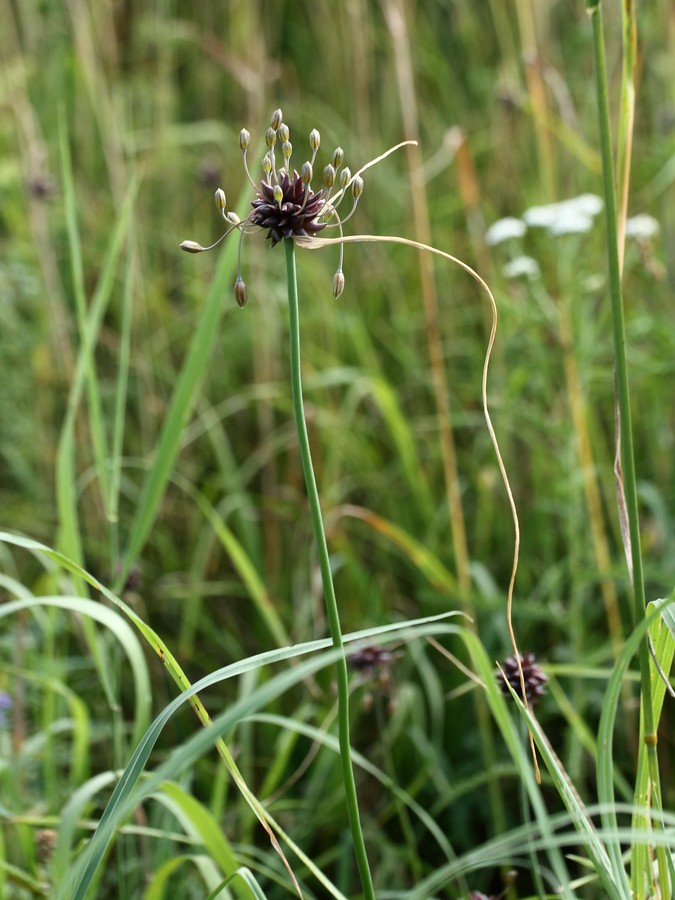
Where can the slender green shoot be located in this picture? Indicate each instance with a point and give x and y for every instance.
(626, 473)
(327, 578)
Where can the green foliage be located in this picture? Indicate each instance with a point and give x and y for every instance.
(154, 514)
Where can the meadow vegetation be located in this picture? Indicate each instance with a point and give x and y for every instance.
(156, 539)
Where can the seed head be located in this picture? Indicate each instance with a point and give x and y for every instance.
(290, 216)
(534, 677)
(285, 205)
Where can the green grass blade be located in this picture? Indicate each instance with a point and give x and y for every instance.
(125, 797)
(89, 323)
(519, 754)
(198, 822)
(198, 355)
(660, 620)
(118, 627)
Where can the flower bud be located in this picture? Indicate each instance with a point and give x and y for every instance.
(286, 150)
(338, 283)
(284, 132)
(338, 157)
(191, 247)
(232, 217)
(345, 176)
(266, 166)
(221, 201)
(240, 292)
(357, 187)
(270, 137)
(328, 176)
(306, 173)
(278, 193)
(314, 139)
(244, 139)
(277, 117)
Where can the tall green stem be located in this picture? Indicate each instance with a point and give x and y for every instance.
(623, 394)
(327, 579)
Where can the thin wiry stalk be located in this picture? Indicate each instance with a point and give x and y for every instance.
(332, 611)
(625, 436)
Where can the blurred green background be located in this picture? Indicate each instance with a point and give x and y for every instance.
(500, 97)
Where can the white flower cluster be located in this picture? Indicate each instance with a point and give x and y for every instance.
(573, 216)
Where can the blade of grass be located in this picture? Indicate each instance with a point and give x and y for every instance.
(184, 397)
(127, 795)
(117, 626)
(198, 822)
(642, 876)
(626, 477)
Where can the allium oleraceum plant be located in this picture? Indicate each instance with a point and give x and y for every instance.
(293, 213)
(285, 204)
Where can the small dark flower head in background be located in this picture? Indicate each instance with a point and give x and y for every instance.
(41, 187)
(285, 205)
(373, 665)
(534, 677)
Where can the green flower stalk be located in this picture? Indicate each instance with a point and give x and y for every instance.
(289, 210)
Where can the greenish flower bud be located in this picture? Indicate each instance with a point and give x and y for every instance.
(306, 173)
(277, 118)
(278, 193)
(221, 202)
(240, 292)
(314, 139)
(284, 132)
(232, 217)
(338, 284)
(271, 137)
(345, 176)
(191, 247)
(244, 139)
(328, 176)
(266, 165)
(357, 187)
(286, 150)
(338, 157)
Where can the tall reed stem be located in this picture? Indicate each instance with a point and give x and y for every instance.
(332, 612)
(627, 476)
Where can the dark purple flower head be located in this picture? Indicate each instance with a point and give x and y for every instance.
(285, 205)
(295, 215)
(535, 679)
